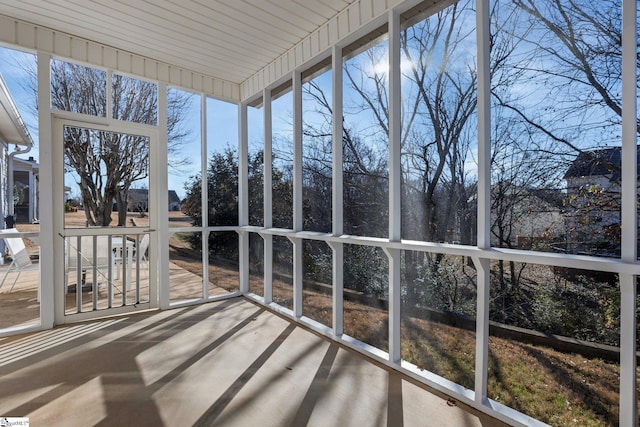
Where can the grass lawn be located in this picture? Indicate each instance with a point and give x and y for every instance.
(558, 388)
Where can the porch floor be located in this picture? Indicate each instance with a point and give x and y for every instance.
(228, 363)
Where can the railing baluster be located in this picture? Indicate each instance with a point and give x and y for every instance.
(94, 285)
(78, 274)
(123, 248)
(110, 284)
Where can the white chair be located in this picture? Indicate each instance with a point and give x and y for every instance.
(141, 248)
(19, 257)
(82, 258)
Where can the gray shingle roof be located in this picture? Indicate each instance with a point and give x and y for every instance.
(601, 162)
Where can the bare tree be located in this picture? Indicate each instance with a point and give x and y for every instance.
(106, 164)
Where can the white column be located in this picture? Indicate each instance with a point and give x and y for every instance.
(395, 221)
(628, 287)
(51, 274)
(484, 198)
(337, 194)
(268, 196)
(159, 174)
(243, 198)
(297, 193)
(204, 194)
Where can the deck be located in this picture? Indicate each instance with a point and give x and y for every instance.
(228, 363)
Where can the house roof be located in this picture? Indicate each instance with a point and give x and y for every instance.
(136, 194)
(12, 128)
(173, 197)
(26, 164)
(601, 162)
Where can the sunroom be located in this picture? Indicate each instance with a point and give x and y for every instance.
(447, 189)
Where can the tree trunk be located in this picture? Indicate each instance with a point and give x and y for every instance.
(122, 200)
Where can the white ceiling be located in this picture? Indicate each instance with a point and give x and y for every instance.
(226, 39)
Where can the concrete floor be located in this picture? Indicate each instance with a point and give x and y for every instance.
(230, 363)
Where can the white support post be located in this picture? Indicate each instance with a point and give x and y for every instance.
(159, 174)
(395, 355)
(268, 196)
(395, 176)
(51, 194)
(204, 193)
(297, 276)
(297, 193)
(297, 151)
(268, 159)
(484, 198)
(337, 194)
(629, 220)
(395, 128)
(483, 275)
(243, 197)
(338, 287)
(628, 362)
(268, 268)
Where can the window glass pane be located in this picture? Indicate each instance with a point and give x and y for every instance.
(439, 122)
(282, 164)
(316, 153)
(110, 173)
(224, 270)
(222, 149)
(185, 266)
(283, 272)
(366, 143)
(438, 312)
(78, 89)
(556, 126)
(317, 285)
(185, 161)
(256, 264)
(255, 130)
(532, 368)
(137, 101)
(366, 293)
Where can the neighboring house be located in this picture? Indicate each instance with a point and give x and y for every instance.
(25, 182)
(593, 201)
(138, 200)
(174, 201)
(525, 218)
(13, 132)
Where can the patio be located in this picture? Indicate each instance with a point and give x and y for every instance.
(20, 307)
(146, 370)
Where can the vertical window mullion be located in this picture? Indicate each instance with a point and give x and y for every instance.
(337, 216)
(243, 195)
(297, 193)
(395, 129)
(267, 156)
(629, 221)
(484, 199)
(204, 196)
